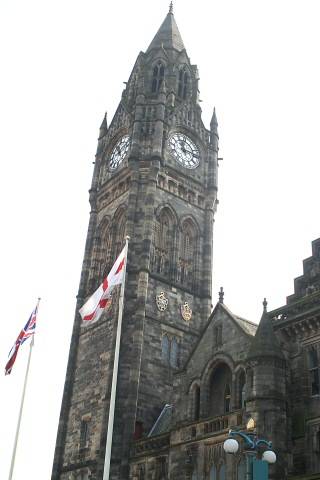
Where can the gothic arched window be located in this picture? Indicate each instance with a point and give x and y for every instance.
(157, 77)
(219, 390)
(163, 243)
(187, 253)
(183, 81)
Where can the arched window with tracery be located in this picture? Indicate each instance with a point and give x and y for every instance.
(183, 83)
(157, 77)
(187, 254)
(163, 243)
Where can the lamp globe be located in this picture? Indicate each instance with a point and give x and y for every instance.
(269, 456)
(231, 445)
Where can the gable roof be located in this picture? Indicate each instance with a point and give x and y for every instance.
(247, 327)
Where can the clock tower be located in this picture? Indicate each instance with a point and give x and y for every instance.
(155, 180)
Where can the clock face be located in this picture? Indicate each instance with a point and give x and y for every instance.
(119, 152)
(184, 150)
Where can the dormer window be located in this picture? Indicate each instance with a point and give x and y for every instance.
(183, 82)
(157, 77)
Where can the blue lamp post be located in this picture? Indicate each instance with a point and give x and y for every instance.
(258, 454)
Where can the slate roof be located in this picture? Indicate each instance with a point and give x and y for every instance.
(163, 423)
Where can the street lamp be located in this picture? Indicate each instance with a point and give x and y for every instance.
(257, 468)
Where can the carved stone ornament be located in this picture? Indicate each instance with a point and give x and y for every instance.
(186, 312)
(162, 301)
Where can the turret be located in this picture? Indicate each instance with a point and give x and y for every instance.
(266, 390)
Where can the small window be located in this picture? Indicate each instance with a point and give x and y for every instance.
(218, 335)
(213, 473)
(241, 470)
(314, 373)
(174, 352)
(183, 83)
(197, 403)
(157, 77)
(222, 472)
(165, 349)
(242, 389)
(84, 433)
(227, 398)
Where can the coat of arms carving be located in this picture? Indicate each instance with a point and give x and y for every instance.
(162, 301)
(186, 312)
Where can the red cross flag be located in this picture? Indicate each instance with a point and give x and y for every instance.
(94, 306)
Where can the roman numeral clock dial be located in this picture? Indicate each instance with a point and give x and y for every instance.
(184, 150)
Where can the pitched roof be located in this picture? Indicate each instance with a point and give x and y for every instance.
(248, 327)
(168, 35)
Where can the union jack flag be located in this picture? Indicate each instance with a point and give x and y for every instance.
(27, 332)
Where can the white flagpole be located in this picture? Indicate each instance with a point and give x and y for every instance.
(107, 458)
(21, 405)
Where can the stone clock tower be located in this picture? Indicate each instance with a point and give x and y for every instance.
(155, 179)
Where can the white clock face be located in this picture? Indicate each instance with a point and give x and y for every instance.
(184, 150)
(119, 152)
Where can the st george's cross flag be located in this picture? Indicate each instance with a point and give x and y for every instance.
(94, 306)
(27, 332)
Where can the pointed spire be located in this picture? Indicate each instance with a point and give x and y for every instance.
(168, 35)
(214, 121)
(265, 342)
(103, 126)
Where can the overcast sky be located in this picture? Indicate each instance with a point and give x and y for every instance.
(63, 64)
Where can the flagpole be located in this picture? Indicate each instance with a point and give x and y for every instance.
(107, 458)
(21, 406)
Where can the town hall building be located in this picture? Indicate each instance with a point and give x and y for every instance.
(188, 371)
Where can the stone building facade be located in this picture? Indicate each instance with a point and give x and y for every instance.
(187, 374)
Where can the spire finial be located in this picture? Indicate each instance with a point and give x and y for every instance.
(264, 303)
(221, 295)
(171, 8)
